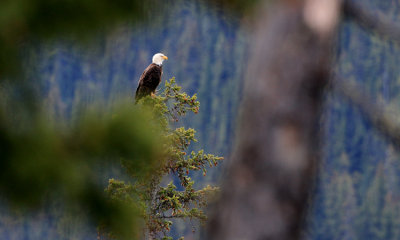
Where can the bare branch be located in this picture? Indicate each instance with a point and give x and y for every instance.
(173, 217)
(372, 21)
(376, 112)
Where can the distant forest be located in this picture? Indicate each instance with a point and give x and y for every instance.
(207, 55)
(358, 190)
(357, 196)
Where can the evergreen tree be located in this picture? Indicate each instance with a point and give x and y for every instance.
(339, 211)
(72, 80)
(371, 219)
(161, 203)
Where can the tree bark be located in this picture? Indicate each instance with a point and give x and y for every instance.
(265, 193)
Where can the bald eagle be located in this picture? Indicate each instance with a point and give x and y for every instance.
(151, 77)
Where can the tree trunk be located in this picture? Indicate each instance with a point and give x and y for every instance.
(265, 193)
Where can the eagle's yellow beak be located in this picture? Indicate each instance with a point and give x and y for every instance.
(165, 57)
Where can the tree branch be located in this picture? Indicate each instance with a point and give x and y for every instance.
(372, 21)
(376, 112)
(172, 217)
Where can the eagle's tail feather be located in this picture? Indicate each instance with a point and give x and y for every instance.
(141, 92)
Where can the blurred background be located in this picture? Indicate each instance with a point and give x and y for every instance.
(78, 70)
(358, 189)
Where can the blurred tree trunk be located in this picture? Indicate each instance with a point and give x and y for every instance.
(266, 190)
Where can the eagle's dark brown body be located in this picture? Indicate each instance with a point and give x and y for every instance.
(148, 82)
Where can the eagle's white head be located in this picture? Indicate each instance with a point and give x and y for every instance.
(159, 58)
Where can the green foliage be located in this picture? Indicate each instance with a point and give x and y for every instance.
(43, 161)
(238, 6)
(45, 158)
(70, 78)
(161, 204)
(44, 19)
